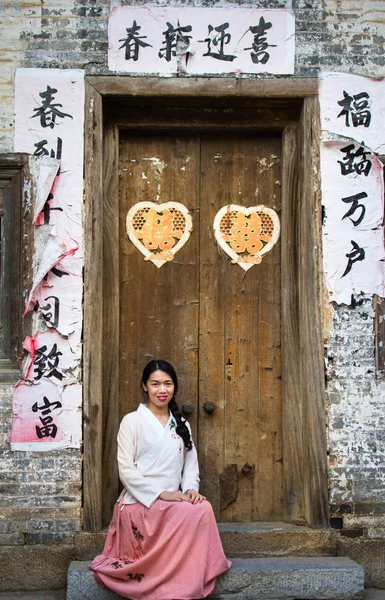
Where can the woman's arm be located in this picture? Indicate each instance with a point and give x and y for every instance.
(129, 475)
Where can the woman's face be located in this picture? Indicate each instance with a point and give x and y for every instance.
(160, 389)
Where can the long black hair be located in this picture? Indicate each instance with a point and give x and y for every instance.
(181, 427)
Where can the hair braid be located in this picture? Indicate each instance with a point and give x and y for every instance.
(181, 427)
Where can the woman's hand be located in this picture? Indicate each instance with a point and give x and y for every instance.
(174, 496)
(195, 497)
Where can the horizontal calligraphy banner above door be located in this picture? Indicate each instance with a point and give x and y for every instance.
(199, 41)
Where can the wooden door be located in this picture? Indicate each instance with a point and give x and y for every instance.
(218, 325)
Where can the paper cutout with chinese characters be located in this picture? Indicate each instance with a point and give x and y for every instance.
(246, 234)
(159, 230)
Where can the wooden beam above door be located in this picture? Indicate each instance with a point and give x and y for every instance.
(222, 114)
(267, 87)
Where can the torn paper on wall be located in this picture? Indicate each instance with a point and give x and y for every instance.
(200, 40)
(354, 264)
(49, 123)
(58, 298)
(45, 419)
(48, 169)
(353, 132)
(49, 115)
(353, 106)
(49, 120)
(56, 249)
(353, 201)
(50, 357)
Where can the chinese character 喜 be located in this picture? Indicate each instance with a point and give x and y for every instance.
(260, 45)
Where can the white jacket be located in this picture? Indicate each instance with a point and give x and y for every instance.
(153, 458)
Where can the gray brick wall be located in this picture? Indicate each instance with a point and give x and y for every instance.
(40, 493)
(356, 411)
(331, 35)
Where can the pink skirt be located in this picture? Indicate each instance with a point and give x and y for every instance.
(167, 552)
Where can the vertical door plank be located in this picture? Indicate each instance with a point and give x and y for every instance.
(93, 310)
(159, 307)
(312, 370)
(292, 418)
(111, 306)
(269, 492)
(211, 331)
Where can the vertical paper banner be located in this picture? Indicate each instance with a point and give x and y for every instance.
(49, 122)
(353, 115)
(353, 199)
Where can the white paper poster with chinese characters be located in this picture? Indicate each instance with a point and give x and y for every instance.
(200, 41)
(353, 106)
(53, 418)
(352, 121)
(49, 122)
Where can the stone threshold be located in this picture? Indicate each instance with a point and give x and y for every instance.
(293, 578)
(245, 540)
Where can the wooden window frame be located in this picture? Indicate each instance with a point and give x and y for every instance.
(304, 426)
(13, 171)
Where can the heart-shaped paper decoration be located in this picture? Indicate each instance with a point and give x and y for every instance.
(159, 230)
(246, 234)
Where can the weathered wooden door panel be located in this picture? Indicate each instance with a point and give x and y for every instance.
(218, 325)
(158, 307)
(240, 357)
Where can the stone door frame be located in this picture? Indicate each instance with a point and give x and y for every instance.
(304, 427)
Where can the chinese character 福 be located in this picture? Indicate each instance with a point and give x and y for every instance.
(356, 107)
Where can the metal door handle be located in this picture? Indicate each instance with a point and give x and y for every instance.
(209, 407)
(187, 408)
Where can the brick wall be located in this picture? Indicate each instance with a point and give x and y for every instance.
(41, 493)
(331, 34)
(356, 419)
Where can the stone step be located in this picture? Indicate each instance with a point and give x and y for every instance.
(262, 539)
(244, 540)
(294, 578)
